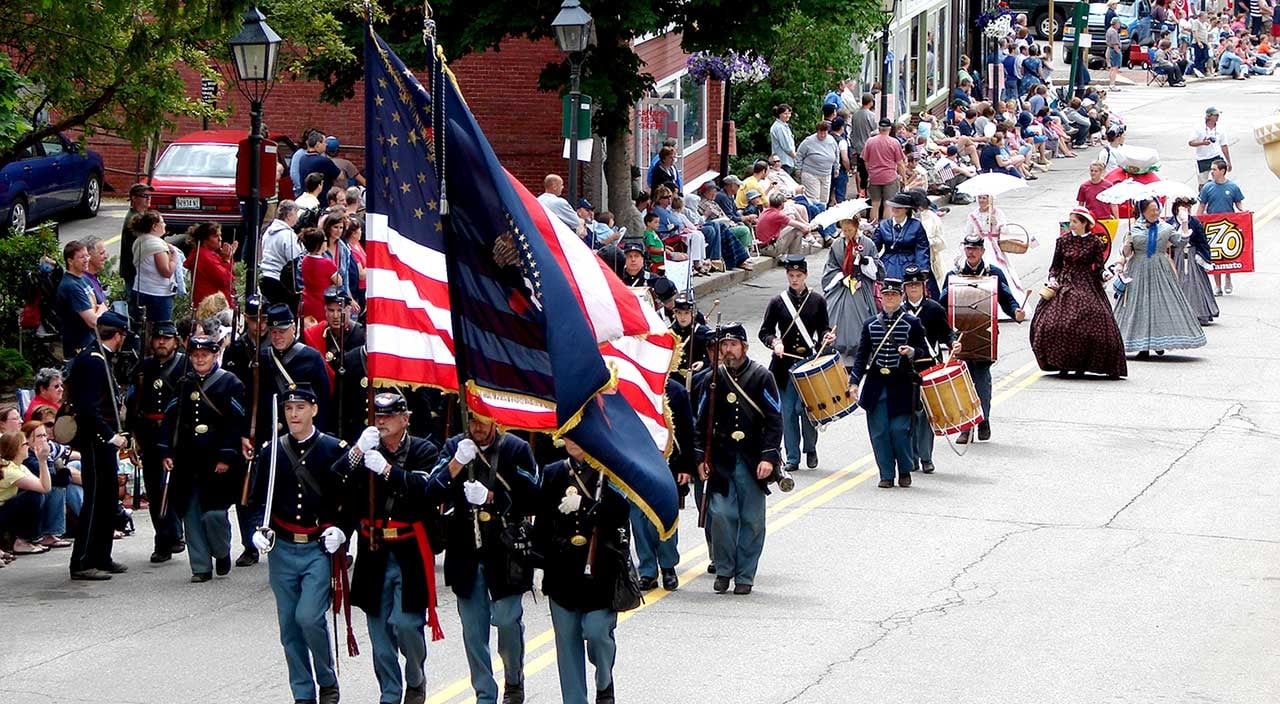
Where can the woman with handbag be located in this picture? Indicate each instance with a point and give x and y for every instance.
(582, 533)
(988, 221)
(1073, 329)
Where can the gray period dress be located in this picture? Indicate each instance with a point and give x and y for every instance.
(1153, 313)
(850, 293)
(1194, 280)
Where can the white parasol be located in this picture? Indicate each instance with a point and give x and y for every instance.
(1128, 190)
(840, 211)
(1172, 189)
(991, 184)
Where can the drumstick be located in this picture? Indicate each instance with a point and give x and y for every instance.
(714, 304)
(823, 346)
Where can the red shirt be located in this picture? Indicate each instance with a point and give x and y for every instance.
(317, 275)
(1088, 196)
(37, 402)
(770, 225)
(212, 276)
(882, 154)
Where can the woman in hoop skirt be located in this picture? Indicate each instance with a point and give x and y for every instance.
(1074, 330)
(1187, 257)
(1153, 313)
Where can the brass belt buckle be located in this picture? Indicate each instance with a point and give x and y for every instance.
(738, 435)
(201, 429)
(884, 371)
(299, 538)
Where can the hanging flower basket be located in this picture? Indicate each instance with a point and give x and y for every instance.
(735, 67)
(997, 23)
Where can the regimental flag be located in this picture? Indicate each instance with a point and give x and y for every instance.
(469, 279)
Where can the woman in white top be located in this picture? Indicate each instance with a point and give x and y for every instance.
(156, 262)
(988, 221)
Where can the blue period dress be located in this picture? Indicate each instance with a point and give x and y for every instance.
(1153, 313)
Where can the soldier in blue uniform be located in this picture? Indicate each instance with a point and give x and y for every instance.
(332, 338)
(240, 354)
(745, 432)
(243, 358)
(155, 384)
(394, 582)
(884, 374)
(302, 534)
(694, 335)
(634, 272)
(980, 370)
(577, 506)
(491, 481)
(95, 396)
(652, 553)
(795, 326)
(204, 429)
(937, 331)
(286, 361)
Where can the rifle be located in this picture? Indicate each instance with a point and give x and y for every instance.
(186, 368)
(714, 352)
(253, 414)
(135, 407)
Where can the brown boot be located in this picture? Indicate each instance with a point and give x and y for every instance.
(904, 480)
(885, 484)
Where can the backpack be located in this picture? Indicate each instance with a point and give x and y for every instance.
(307, 217)
(291, 275)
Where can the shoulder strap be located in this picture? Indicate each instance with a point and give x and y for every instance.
(299, 469)
(796, 322)
(742, 392)
(284, 373)
(203, 389)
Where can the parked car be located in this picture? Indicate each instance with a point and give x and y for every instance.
(1037, 12)
(1135, 23)
(195, 180)
(53, 177)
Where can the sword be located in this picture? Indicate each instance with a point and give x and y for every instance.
(265, 529)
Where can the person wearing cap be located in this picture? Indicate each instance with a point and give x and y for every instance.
(316, 161)
(1074, 329)
(492, 481)
(139, 203)
(795, 326)
(975, 265)
(95, 396)
(285, 361)
(727, 200)
(242, 358)
(1115, 51)
(349, 173)
(883, 379)
(653, 554)
(840, 181)
(849, 277)
(634, 273)
(664, 297)
(938, 335)
(304, 538)
(885, 164)
(332, 337)
(744, 425)
(900, 239)
(155, 384)
(1210, 144)
(569, 515)
(691, 329)
(394, 578)
(205, 427)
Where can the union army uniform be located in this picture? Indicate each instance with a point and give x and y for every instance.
(239, 356)
(490, 578)
(937, 332)
(651, 551)
(304, 508)
(155, 387)
(333, 347)
(582, 605)
(298, 364)
(747, 429)
(693, 339)
(202, 429)
(394, 581)
(801, 333)
(242, 357)
(888, 387)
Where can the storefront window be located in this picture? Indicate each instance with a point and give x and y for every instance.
(693, 112)
(938, 54)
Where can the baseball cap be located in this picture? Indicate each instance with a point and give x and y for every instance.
(140, 189)
(1211, 111)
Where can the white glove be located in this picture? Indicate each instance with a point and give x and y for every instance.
(332, 538)
(375, 461)
(260, 541)
(466, 451)
(475, 492)
(569, 504)
(369, 439)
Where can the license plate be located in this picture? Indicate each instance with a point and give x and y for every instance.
(182, 203)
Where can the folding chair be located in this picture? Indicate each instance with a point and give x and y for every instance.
(1153, 77)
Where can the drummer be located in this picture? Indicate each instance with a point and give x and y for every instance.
(884, 382)
(937, 332)
(974, 266)
(795, 326)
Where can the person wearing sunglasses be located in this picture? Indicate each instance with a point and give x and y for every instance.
(20, 494)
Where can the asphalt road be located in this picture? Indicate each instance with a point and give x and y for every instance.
(1113, 542)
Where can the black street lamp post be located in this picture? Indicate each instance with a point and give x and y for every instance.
(574, 30)
(254, 52)
(888, 8)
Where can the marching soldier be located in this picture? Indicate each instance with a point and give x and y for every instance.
(301, 533)
(974, 265)
(243, 358)
(286, 362)
(664, 297)
(578, 507)
(634, 271)
(937, 332)
(204, 429)
(332, 338)
(95, 398)
(884, 372)
(240, 354)
(689, 325)
(157, 380)
(653, 553)
(746, 427)
(394, 582)
(492, 482)
(795, 325)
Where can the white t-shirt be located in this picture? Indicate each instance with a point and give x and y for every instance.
(148, 279)
(280, 246)
(1209, 151)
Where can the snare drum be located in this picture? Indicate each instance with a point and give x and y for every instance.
(950, 398)
(823, 386)
(972, 310)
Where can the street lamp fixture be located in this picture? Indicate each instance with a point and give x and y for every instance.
(575, 31)
(888, 8)
(254, 51)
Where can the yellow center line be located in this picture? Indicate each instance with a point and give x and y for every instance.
(696, 557)
(1270, 210)
(112, 241)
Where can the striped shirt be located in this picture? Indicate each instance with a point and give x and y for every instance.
(886, 352)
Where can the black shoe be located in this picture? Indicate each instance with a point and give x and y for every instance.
(513, 693)
(416, 695)
(116, 568)
(963, 438)
(926, 466)
(329, 695)
(722, 585)
(222, 565)
(178, 547)
(90, 575)
(1143, 354)
(247, 558)
(741, 589)
(811, 459)
(790, 467)
(904, 480)
(158, 557)
(711, 568)
(648, 583)
(670, 581)
(605, 696)
(885, 484)
(201, 577)
(984, 430)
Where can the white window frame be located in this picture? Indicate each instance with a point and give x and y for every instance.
(675, 79)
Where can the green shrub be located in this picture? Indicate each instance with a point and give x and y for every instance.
(14, 369)
(20, 254)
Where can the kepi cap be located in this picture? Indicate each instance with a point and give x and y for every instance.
(390, 403)
(280, 316)
(202, 342)
(975, 240)
(253, 305)
(333, 294)
(732, 331)
(913, 274)
(299, 392)
(164, 328)
(586, 204)
(891, 286)
(685, 302)
(632, 246)
(664, 289)
(795, 262)
(1211, 111)
(112, 319)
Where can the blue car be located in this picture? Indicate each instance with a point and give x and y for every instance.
(53, 177)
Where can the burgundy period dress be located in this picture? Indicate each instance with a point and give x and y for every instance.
(1075, 330)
